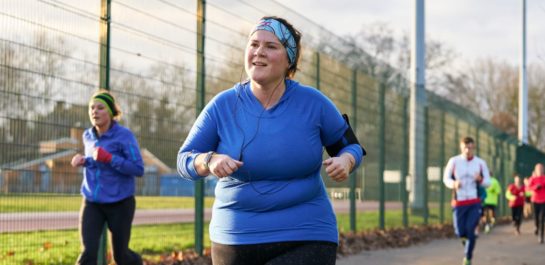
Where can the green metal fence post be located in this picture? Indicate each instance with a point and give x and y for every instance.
(382, 151)
(456, 136)
(501, 177)
(104, 82)
(104, 48)
(201, 94)
(477, 141)
(509, 163)
(507, 173)
(441, 170)
(405, 162)
(491, 166)
(353, 175)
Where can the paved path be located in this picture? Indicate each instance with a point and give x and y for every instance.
(32, 221)
(500, 247)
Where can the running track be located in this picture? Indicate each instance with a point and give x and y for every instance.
(34, 221)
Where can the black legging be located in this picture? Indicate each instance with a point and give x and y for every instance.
(539, 217)
(119, 217)
(281, 253)
(516, 215)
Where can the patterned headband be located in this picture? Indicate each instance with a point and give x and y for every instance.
(282, 33)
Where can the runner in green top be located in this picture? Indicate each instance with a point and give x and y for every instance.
(490, 203)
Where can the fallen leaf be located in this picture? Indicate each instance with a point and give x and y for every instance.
(47, 245)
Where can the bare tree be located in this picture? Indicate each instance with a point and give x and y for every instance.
(489, 87)
(377, 51)
(29, 93)
(439, 60)
(486, 86)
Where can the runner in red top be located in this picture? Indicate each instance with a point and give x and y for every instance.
(515, 194)
(537, 186)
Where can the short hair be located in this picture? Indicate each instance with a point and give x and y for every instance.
(467, 140)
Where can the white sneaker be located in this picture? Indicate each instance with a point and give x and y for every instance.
(487, 228)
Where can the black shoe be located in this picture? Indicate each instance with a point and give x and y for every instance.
(535, 232)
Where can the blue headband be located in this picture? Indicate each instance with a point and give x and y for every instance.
(282, 33)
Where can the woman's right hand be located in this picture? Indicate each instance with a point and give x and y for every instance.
(223, 165)
(78, 160)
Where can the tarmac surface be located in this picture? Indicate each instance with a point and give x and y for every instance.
(500, 247)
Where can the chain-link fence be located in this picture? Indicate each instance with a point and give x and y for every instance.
(51, 57)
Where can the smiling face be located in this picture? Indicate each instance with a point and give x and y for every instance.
(99, 114)
(266, 60)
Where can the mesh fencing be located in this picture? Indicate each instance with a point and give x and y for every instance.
(50, 66)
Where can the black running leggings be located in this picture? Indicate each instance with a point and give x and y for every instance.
(281, 253)
(118, 216)
(516, 215)
(539, 217)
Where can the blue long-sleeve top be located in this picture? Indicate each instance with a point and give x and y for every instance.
(278, 194)
(114, 181)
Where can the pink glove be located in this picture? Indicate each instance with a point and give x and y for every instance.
(101, 155)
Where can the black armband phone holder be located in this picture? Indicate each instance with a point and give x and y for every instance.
(348, 138)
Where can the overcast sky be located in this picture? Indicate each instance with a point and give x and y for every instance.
(473, 28)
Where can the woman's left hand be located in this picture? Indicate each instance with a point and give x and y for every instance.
(78, 160)
(338, 168)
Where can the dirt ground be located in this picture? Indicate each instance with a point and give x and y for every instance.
(500, 247)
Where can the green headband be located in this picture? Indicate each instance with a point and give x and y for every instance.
(108, 101)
